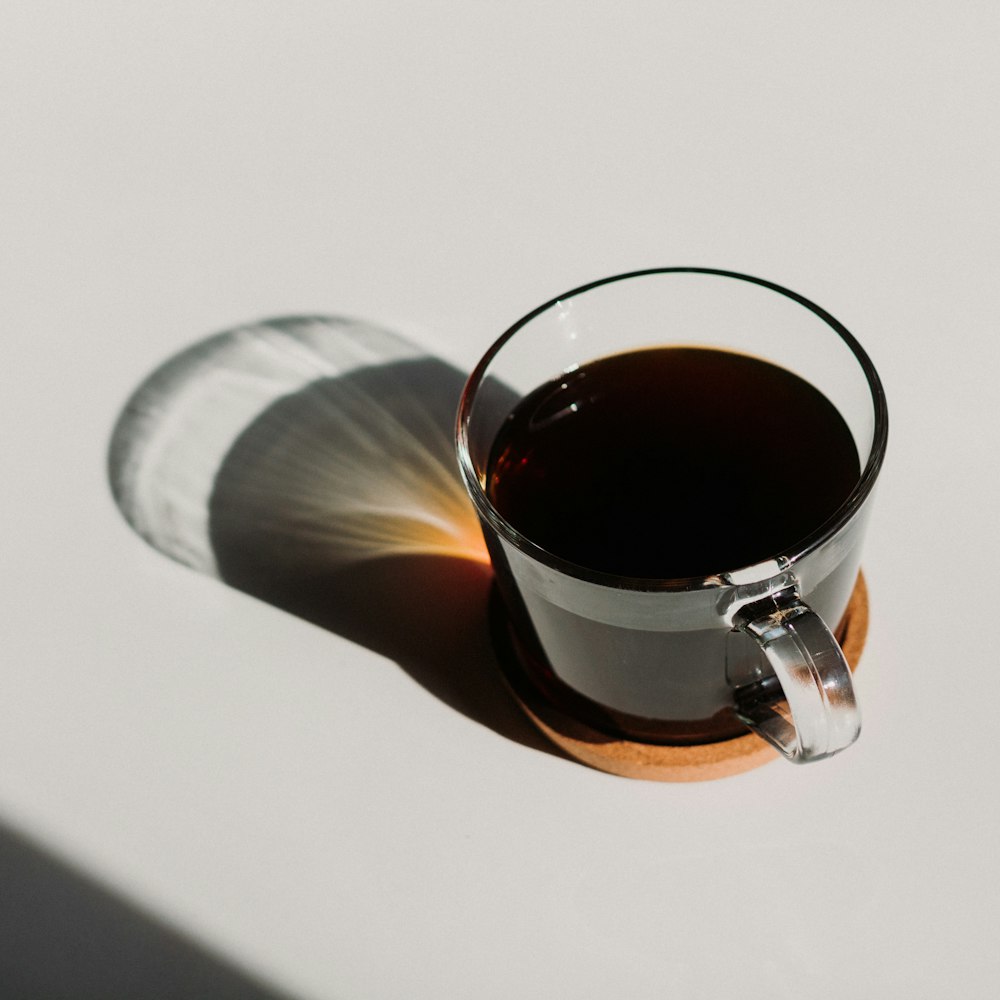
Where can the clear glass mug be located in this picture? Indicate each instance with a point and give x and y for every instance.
(692, 660)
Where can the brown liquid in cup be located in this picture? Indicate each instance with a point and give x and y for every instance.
(672, 462)
(662, 464)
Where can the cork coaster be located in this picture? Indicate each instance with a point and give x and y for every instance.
(652, 762)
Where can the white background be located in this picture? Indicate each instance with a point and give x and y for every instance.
(171, 170)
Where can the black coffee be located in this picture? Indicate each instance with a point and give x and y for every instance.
(672, 462)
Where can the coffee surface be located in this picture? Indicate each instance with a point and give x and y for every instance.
(672, 462)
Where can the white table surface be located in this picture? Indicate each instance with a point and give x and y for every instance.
(208, 794)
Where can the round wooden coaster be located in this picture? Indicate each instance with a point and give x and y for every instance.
(703, 762)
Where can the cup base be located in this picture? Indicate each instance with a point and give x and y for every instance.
(632, 758)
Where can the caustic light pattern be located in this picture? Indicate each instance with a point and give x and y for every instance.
(320, 441)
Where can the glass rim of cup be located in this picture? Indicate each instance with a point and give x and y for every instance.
(780, 561)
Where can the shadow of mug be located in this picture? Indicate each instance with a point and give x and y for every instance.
(309, 462)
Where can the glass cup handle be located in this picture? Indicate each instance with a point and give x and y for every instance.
(806, 709)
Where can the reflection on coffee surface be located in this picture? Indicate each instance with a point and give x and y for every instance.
(672, 462)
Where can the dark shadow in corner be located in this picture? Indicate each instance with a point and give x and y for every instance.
(64, 937)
